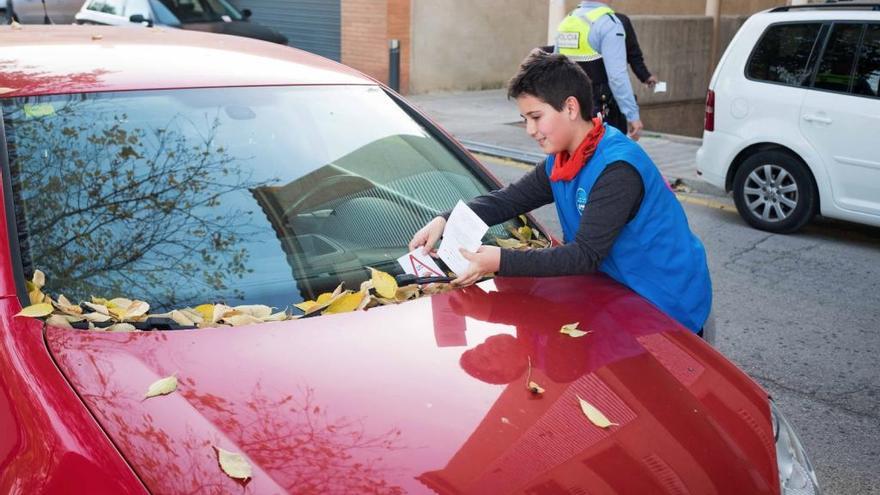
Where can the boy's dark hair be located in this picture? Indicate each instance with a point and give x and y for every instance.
(552, 77)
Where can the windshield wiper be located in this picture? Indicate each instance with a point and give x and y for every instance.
(408, 279)
(151, 323)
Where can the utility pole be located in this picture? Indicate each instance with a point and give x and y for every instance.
(713, 10)
(557, 13)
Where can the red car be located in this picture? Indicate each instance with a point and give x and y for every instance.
(183, 168)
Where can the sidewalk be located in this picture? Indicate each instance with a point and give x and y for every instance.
(486, 122)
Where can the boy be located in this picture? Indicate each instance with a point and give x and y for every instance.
(618, 216)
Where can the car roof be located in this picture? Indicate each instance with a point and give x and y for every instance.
(40, 60)
(865, 10)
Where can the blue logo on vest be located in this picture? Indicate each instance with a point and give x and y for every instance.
(581, 199)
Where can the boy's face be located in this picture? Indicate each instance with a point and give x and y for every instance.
(553, 130)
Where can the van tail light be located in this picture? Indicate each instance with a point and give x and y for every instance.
(709, 121)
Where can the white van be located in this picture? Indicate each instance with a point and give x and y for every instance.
(793, 116)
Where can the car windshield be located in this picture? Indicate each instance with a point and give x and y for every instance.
(237, 195)
(190, 11)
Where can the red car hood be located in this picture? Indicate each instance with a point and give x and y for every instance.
(430, 396)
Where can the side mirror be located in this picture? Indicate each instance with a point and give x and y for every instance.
(140, 19)
(246, 13)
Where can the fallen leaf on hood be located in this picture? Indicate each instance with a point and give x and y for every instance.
(3, 91)
(255, 310)
(385, 284)
(347, 301)
(36, 296)
(162, 387)
(234, 465)
(406, 293)
(64, 305)
(58, 321)
(38, 279)
(36, 310)
(206, 311)
(15, 25)
(122, 327)
(572, 330)
(594, 415)
(98, 308)
(241, 320)
(96, 317)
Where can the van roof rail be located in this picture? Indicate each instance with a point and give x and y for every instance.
(831, 5)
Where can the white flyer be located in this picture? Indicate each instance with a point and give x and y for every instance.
(660, 87)
(464, 230)
(417, 263)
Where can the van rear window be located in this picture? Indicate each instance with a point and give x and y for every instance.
(783, 55)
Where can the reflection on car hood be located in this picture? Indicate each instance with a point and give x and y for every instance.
(238, 28)
(430, 396)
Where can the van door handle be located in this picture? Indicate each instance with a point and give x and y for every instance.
(816, 118)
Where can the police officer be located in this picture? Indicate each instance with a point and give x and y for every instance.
(595, 38)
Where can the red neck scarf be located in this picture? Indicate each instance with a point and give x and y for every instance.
(565, 166)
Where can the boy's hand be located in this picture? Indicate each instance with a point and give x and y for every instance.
(428, 236)
(635, 128)
(486, 260)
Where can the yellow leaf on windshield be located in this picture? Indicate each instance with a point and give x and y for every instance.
(241, 320)
(206, 311)
(65, 306)
(324, 298)
(162, 387)
(406, 293)
(39, 279)
(348, 301)
(304, 306)
(594, 415)
(36, 310)
(97, 307)
(525, 233)
(36, 296)
(509, 243)
(234, 465)
(255, 310)
(572, 330)
(385, 284)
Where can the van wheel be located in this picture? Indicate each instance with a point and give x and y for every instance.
(774, 191)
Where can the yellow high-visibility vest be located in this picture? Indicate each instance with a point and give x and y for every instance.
(573, 33)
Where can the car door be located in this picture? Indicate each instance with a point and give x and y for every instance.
(841, 114)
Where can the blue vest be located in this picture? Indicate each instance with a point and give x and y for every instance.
(655, 254)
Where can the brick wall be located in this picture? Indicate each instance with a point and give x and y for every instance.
(367, 28)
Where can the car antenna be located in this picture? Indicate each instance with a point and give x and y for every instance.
(46, 19)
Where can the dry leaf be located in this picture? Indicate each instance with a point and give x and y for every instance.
(98, 308)
(241, 320)
(36, 310)
(58, 321)
(304, 306)
(181, 318)
(118, 302)
(525, 233)
(255, 310)
(96, 317)
(206, 311)
(39, 279)
(162, 387)
(64, 305)
(347, 301)
(572, 330)
(221, 311)
(122, 327)
(36, 296)
(385, 284)
(406, 293)
(279, 316)
(535, 388)
(509, 243)
(594, 415)
(234, 465)
(15, 25)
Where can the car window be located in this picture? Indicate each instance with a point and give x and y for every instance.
(867, 76)
(783, 53)
(202, 10)
(241, 195)
(835, 69)
(113, 7)
(161, 14)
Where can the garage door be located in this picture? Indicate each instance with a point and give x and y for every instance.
(311, 25)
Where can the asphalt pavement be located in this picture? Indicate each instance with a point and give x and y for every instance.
(799, 313)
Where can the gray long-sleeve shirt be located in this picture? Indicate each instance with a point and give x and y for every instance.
(608, 37)
(613, 201)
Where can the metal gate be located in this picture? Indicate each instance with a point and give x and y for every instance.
(311, 25)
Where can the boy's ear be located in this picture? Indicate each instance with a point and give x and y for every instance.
(572, 108)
